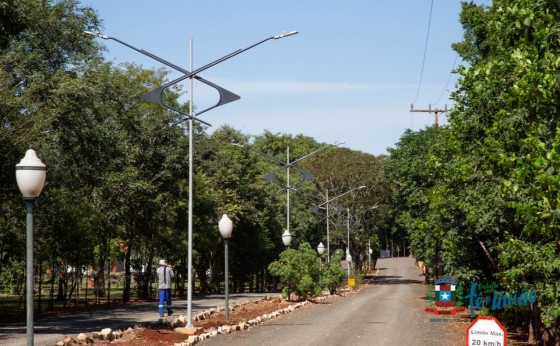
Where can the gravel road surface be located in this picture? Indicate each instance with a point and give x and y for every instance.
(390, 312)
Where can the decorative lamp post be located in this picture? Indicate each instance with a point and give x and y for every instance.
(30, 175)
(369, 259)
(286, 238)
(226, 226)
(321, 251)
(349, 260)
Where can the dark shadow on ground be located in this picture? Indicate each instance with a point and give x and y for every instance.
(395, 280)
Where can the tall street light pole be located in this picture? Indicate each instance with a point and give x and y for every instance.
(31, 174)
(156, 96)
(287, 165)
(326, 206)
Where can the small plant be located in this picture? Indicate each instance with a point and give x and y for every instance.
(334, 275)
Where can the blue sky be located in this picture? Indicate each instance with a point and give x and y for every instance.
(350, 74)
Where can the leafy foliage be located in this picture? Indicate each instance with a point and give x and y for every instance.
(481, 195)
(298, 271)
(334, 275)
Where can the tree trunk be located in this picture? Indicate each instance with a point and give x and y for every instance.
(534, 325)
(108, 282)
(180, 279)
(147, 278)
(70, 291)
(51, 295)
(127, 275)
(551, 336)
(99, 287)
(60, 294)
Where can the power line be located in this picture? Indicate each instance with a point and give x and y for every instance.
(425, 50)
(448, 79)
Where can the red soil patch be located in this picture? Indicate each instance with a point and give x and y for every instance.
(165, 336)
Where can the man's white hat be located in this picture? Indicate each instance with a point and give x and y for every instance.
(162, 262)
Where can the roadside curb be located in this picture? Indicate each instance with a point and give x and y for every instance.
(196, 334)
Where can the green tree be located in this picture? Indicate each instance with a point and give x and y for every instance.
(337, 171)
(298, 271)
(42, 53)
(506, 115)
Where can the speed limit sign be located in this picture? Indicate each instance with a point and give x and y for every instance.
(486, 331)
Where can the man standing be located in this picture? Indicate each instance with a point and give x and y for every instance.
(165, 274)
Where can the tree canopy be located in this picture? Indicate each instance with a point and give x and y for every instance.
(476, 199)
(479, 196)
(117, 169)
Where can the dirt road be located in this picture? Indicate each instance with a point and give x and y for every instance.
(389, 312)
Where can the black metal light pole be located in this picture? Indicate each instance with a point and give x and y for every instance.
(30, 175)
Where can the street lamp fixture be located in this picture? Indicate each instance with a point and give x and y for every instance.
(31, 174)
(321, 248)
(156, 96)
(285, 34)
(225, 225)
(286, 238)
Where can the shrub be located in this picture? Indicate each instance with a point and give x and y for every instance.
(334, 275)
(298, 271)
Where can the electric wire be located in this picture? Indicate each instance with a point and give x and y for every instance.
(448, 79)
(425, 50)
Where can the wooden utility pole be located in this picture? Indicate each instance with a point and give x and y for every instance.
(430, 110)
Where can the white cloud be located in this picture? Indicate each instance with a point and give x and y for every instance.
(365, 129)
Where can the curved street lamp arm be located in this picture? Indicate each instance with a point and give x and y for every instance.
(304, 175)
(224, 58)
(280, 162)
(226, 96)
(155, 95)
(347, 192)
(313, 152)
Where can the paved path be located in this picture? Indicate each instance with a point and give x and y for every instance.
(387, 313)
(52, 330)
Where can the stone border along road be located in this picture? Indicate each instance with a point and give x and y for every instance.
(49, 331)
(390, 312)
